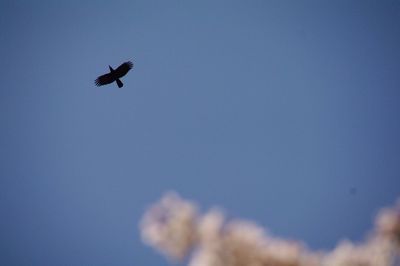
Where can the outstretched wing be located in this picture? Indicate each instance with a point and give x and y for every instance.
(123, 69)
(104, 79)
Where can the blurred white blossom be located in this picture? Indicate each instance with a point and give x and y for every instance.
(174, 227)
(170, 226)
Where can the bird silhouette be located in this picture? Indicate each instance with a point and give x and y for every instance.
(114, 75)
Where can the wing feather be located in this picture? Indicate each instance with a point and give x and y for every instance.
(123, 69)
(104, 79)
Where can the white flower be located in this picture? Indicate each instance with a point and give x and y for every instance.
(174, 227)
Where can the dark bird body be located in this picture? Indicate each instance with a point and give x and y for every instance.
(114, 75)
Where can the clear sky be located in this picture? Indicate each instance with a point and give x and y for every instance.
(282, 112)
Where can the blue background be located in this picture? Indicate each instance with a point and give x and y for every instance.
(282, 112)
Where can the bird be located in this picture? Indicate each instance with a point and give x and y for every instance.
(114, 75)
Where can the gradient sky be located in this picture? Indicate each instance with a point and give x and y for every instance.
(282, 112)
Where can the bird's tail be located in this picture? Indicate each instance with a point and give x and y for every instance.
(119, 83)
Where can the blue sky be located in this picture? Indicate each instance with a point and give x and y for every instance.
(274, 110)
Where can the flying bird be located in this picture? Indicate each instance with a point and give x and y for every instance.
(114, 75)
